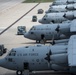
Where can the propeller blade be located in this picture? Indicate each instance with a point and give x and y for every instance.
(66, 7)
(67, 2)
(57, 29)
(50, 53)
(49, 65)
(64, 15)
(48, 58)
(53, 42)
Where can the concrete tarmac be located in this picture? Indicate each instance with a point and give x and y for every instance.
(10, 38)
(7, 4)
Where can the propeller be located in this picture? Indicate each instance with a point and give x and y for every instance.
(57, 29)
(48, 57)
(64, 15)
(67, 2)
(69, 7)
(52, 21)
(53, 42)
(66, 7)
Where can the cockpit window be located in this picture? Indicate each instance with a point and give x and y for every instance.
(12, 53)
(45, 16)
(10, 59)
(33, 28)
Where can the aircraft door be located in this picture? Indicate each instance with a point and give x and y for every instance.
(42, 36)
(26, 65)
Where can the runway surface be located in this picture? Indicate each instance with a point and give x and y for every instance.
(10, 38)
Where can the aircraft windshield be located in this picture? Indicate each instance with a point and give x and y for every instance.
(33, 28)
(12, 53)
(45, 16)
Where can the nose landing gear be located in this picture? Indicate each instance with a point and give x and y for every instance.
(43, 38)
(19, 73)
(26, 69)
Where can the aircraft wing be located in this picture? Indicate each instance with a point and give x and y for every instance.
(61, 42)
(72, 51)
(73, 26)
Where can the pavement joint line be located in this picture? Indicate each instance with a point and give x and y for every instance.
(19, 19)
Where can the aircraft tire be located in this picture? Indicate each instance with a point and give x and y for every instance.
(19, 73)
(37, 41)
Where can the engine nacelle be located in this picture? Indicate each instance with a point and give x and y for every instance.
(59, 58)
(56, 49)
(69, 15)
(70, 7)
(70, 1)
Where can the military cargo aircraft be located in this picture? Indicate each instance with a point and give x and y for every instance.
(51, 31)
(52, 18)
(42, 57)
(61, 8)
(70, 15)
(63, 2)
(58, 17)
(71, 7)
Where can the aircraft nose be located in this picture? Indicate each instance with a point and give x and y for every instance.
(26, 35)
(2, 61)
(40, 21)
(46, 11)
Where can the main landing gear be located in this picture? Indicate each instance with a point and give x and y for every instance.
(19, 73)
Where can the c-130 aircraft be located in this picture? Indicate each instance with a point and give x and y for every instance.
(61, 8)
(63, 2)
(51, 31)
(42, 57)
(58, 17)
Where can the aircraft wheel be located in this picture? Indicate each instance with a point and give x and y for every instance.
(19, 72)
(37, 41)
